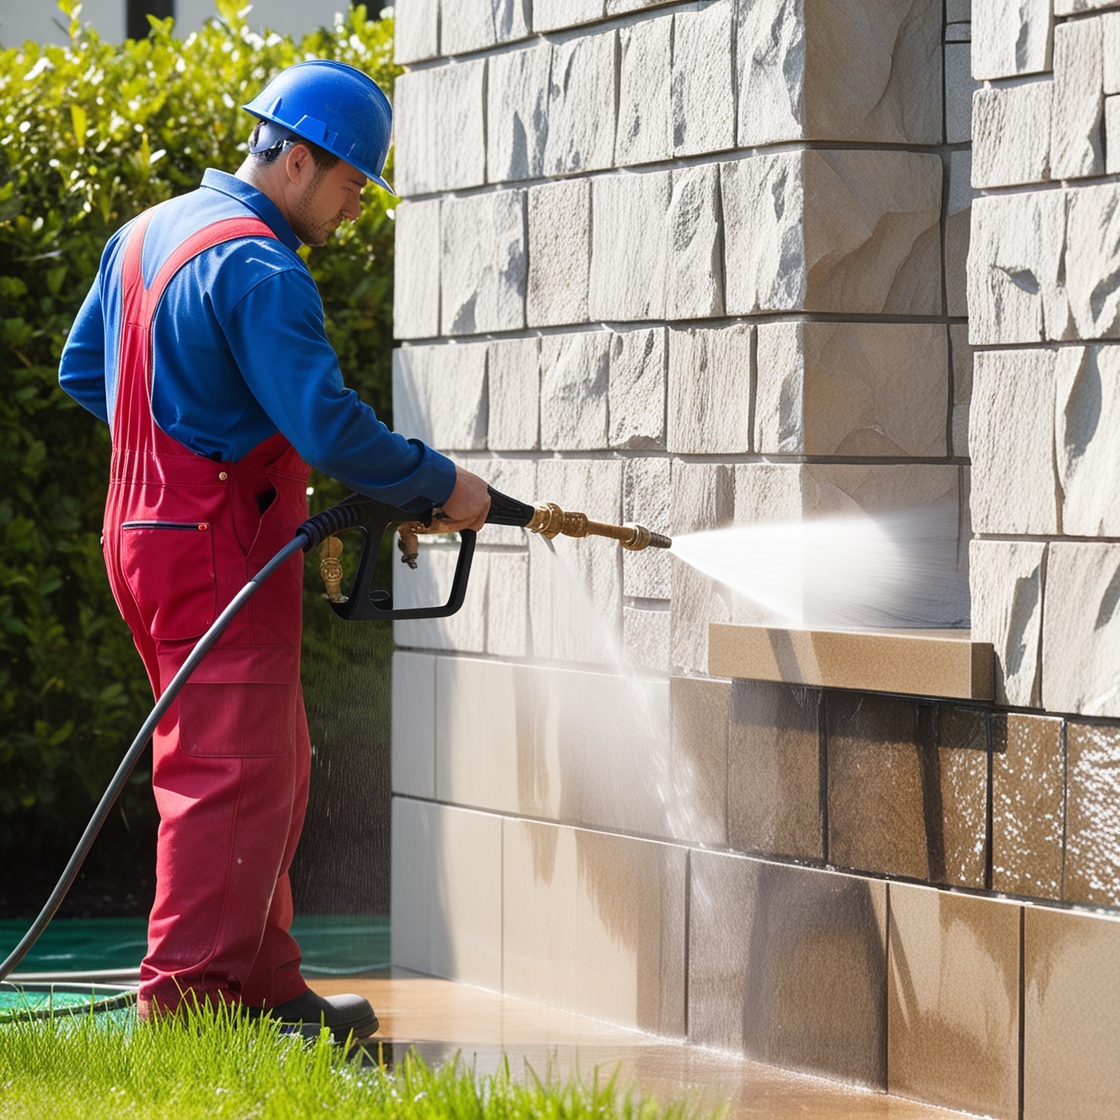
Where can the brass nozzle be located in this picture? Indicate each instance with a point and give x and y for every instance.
(330, 568)
(551, 521)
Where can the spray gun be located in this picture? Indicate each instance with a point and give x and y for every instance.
(373, 519)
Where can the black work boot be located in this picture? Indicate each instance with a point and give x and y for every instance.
(345, 1016)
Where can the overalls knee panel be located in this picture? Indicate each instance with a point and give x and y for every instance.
(231, 757)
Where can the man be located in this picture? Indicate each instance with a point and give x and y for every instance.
(202, 344)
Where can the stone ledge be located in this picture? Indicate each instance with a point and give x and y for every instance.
(943, 663)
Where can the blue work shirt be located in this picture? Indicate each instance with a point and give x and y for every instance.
(241, 352)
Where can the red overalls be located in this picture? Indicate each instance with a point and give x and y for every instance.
(231, 758)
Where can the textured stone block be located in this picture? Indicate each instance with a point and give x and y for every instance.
(698, 782)
(957, 232)
(413, 724)
(703, 102)
(1014, 488)
(788, 965)
(959, 87)
(646, 638)
(595, 923)
(847, 70)
(1112, 134)
(1073, 7)
(581, 105)
(956, 32)
(482, 274)
(1071, 1014)
(415, 31)
(1110, 28)
(1081, 630)
(1092, 261)
(1016, 269)
(1011, 135)
(439, 133)
(867, 389)
(851, 231)
(774, 770)
(1092, 867)
(953, 1016)
(644, 128)
(439, 395)
(711, 376)
(961, 364)
(646, 496)
(466, 25)
(1011, 37)
(1077, 105)
(507, 604)
(559, 253)
(694, 265)
(516, 477)
(430, 585)
(628, 246)
(549, 15)
(958, 11)
(517, 113)
(638, 374)
(574, 390)
(1006, 579)
(514, 383)
(416, 270)
(1028, 817)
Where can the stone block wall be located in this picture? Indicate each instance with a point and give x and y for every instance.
(695, 264)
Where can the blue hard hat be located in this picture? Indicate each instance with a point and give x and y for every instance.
(335, 106)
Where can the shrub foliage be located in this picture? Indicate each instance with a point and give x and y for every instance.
(90, 134)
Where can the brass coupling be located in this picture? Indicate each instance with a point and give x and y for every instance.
(551, 521)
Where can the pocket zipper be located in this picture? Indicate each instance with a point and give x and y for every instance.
(197, 526)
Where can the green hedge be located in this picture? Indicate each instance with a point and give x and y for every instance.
(90, 134)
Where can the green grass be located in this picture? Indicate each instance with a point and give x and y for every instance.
(215, 1065)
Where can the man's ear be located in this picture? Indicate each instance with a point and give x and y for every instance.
(298, 162)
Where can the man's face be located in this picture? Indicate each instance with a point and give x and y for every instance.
(329, 198)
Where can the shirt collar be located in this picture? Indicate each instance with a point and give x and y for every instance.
(256, 200)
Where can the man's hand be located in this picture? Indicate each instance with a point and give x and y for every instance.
(466, 508)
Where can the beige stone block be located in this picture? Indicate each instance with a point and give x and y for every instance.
(703, 101)
(645, 131)
(1011, 134)
(1014, 488)
(1081, 630)
(581, 105)
(1016, 269)
(595, 923)
(430, 585)
(413, 724)
(1092, 261)
(1092, 867)
(1077, 105)
(575, 383)
(513, 394)
(1011, 37)
(845, 70)
(844, 231)
(1006, 580)
(698, 775)
(851, 389)
(439, 395)
(416, 270)
(711, 376)
(638, 378)
(646, 499)
(446, 902)
(953, 1016)
(693, 254)
(961, 364)
(559, 253)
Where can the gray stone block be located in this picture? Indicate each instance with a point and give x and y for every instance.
(846, 70)
(416, 270)
(958, 32)
(1011, 440)
(958, 11)
(959, 87)
(514, 393)
(1087, 451)
(574, 391)
(483, 267)
(844, 231)
(1016, 287)
(559, 253)
(415, 31)
(646, 499)
(1077, 105)
(961, 354)
(644, 132)
(1092, 260)
(1011, 135)
(467, 25)
(703, 100)
(1011, 37)
(638, 374)
(551, 15)
(711, 378)
(851, 389)
(517, 113)
(1006, 579)
(439, 395)
(628, 246)
(439, 133)
(581, 105)
(694, 265)
(957, 231)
